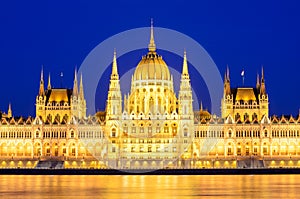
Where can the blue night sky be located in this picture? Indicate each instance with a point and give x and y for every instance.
(60, 34)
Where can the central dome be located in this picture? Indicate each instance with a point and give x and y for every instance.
(152, 67)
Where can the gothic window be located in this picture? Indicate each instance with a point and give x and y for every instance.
(166, 128)
(141, 129)
(254, 116)
(246, 116)
(57, 117)
(237, 116)
(230, 133)
(266, 133)
(72, 135)
(185, 132)
(133, 129)
(113, 132)
(49, 117)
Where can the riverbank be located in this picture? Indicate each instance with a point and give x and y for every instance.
(246, 171)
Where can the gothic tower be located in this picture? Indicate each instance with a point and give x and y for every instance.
(185, 109)
(56, 105)
(227, 100)
(114, 98)
(41, 98)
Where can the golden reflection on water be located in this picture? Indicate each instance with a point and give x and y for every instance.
(162, 187)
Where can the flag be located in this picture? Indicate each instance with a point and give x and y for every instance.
(243, 73)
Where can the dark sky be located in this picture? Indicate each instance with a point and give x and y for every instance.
(60, 34)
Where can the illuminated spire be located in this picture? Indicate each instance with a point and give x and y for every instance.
(185, 67)
(257, 82)
(9, 111)
(262, 86)
(227, 89)
(75, 86)
(114, 72)
(262, 74)
(49, 83)
(151, 46)
(42, 90)
(201, 106)
(227, 73)
(81, 93)
(185, 72)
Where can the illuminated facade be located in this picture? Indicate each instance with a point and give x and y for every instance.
(150, 127)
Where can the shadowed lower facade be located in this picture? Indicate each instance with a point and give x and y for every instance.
(150, 127)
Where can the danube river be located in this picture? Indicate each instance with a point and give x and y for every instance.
(216, 186)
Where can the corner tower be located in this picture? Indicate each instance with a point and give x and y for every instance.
(245, 104)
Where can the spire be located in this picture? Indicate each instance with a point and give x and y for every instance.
(152, 46)
(49, 83)
(114, 72)
(262, 86)
(227, 73)
(227, 89)
(42, 90)
(262, 75)
(201, 106)
(75, 86)
(257, 82)
(185, 67)
(185, 72)
(9, 111)
(81, 93)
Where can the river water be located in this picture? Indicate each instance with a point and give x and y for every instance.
(139, 186)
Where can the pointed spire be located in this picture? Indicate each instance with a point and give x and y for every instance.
(185, 67)
(227, 89)
(9, 111)
(262, 86)
(262, 75)
(42, 90)
(257, 82)
(152, 46)
(201, 106)
(114, 67)
(49, 83)
(75, 86)
(81, 92)
(227, 73)
(114, 72)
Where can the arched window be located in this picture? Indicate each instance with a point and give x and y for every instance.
(113, 132)
(185, 132)
(237, 116)
(246, 116)
(72, 134)
(266, 133)
(57, 117)
(230, 133)
(166, 128)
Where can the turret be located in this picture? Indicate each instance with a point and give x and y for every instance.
(257, 82)
(185, 92)
(9, 111)
(75, 85)
(263, 86)
(114, 98)
(49, 83)
(42, 89)
(227, 82)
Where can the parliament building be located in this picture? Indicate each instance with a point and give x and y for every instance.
(150, 127)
